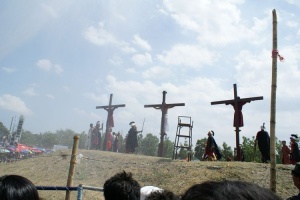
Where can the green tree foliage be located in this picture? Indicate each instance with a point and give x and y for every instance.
(65, 137)
(3, 131)
(49, 139)
(82, 140)
(149, 145)
(226, 151)
(168, 148)
(29, 139)
(139, 139)
(183, 152)
(248, 148)
(199, 149)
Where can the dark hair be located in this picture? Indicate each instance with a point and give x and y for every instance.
(162, 195)
(228, 190)
(122, 186)
(15, 187)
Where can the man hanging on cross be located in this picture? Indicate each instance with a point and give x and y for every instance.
(164, 116)
(238, 115)
(237, 104)
(110, 121)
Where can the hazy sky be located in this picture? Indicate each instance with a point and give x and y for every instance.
(61, 59)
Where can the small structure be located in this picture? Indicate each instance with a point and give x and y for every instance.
(187, 123)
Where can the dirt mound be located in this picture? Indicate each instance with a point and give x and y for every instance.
(176, 175)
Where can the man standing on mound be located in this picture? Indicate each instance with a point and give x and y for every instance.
(131, 141)
(263, 140)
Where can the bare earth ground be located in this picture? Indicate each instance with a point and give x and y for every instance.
(176, 175)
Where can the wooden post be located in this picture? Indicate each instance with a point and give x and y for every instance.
(109, 122)
(273, 106)
(237, 104)
(72, 165)
(164, 110)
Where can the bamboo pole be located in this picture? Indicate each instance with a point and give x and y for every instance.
(72, 165)
(273, 106)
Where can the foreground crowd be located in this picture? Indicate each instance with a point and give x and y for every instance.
(122, 186)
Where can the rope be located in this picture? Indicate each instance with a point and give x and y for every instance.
(275, 53)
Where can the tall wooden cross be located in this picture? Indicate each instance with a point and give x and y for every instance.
(110, 121)
(164, 111)
(237, 104)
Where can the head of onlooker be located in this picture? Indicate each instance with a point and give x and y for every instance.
(228, 190)
(122, 186)
(147, 190)
(162, 195)
(15, 187)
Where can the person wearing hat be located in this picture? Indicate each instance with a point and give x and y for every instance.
(296, 179)
(131, 141)
(211, 148)
(263, 141)
(295, 154)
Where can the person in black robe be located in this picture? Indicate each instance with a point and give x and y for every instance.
(212, 147)
(263, 141)
(295, 153)
(131, 141)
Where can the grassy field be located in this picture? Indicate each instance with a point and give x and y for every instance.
(176, 175)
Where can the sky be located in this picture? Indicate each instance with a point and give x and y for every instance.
(61, 59)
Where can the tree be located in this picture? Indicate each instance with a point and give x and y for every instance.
(226, 151)
(3, 131)
(48, 140)
(65, 137)
(29, 139)
(149, 145)
(183, 152)
(139, 140)
(248, 148)
(200, 148)
(82, 140)
(168, 148)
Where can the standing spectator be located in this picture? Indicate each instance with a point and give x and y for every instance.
(285, 153)
(116, 142)
(211, 148)
(89, 137)
(263, 140)
(131, 141)
(121, 186)
(296, 180)
(96, 136)
(15, 187)
(295, 154)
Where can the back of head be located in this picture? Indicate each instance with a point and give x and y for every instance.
(122, 187)
(162, 195)
(228, 190)
(14, 187)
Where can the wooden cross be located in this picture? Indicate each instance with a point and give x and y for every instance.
(237, 104)
(109, 122)
(164, 111)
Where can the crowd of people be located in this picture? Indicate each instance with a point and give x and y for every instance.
(290, 154)
(123, 186)
(94, 139)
